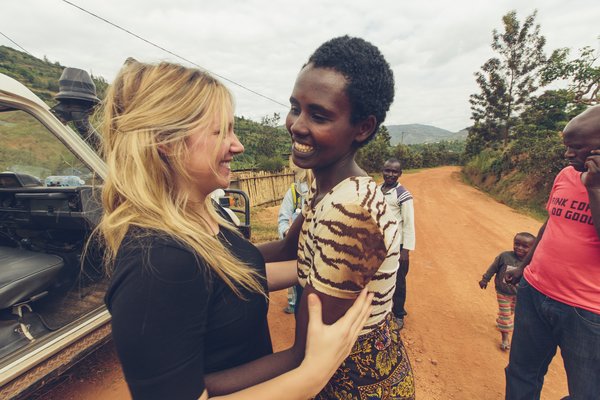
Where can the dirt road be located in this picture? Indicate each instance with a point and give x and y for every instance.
(450, 330)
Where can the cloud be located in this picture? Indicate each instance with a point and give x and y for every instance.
(433, 46)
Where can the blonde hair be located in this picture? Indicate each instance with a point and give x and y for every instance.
(149, 108)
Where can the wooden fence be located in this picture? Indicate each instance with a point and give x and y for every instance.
(263, 188)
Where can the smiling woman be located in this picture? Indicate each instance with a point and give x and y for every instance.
(349, 239)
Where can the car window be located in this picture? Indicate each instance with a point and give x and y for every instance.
(51, 278)
(29, 148)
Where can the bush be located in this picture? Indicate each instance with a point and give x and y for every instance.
(271, 164)
(540, 156)
(486, 162)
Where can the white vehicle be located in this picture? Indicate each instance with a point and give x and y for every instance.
(52, 309)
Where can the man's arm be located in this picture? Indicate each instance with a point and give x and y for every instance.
(408, 225)
(408, 229)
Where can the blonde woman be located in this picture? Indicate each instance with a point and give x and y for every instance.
(188, 293)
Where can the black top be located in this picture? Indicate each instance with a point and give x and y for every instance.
(498, 267)
(173, 320)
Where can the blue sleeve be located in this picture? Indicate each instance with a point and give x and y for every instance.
(286, 210)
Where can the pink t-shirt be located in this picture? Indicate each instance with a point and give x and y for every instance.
(566, 263)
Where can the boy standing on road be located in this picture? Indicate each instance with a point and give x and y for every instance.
(506, 292)
(401, 202)
(558, 301)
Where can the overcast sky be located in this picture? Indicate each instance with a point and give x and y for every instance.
(433, 46)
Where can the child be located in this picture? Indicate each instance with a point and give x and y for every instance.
(506, 292)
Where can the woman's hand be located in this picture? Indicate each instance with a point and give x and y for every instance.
(327, 346)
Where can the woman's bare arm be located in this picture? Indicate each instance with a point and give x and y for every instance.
(282, 274)
(286, 248)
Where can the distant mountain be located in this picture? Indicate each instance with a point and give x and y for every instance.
(460, 135)
(418, 133)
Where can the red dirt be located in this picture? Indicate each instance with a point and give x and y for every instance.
(450, 331)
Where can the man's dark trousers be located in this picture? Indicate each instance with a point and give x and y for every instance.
(399, 297)
(541, 325)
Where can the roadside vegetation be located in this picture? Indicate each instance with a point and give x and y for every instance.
(514, 148)
(425, 155)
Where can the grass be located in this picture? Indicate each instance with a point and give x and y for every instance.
(264, 224)
(531, 207)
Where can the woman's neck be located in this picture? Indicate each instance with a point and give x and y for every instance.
(327, 178)
(199, 208)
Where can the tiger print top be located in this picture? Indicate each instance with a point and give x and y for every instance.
(350, 240)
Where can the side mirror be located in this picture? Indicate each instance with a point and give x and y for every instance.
(76, 102)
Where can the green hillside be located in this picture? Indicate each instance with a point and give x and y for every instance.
(41, 76)
(266, 144)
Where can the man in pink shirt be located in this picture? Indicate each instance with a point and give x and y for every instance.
(558, 301)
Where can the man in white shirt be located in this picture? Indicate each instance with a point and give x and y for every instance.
(401, 202)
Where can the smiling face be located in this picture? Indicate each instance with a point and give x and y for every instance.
(522, 245)
(581, 136)
(209, 156)
(391, 172)
(319, 120)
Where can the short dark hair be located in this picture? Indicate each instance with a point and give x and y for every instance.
(526, 235)
(392, 160)
(370, 79)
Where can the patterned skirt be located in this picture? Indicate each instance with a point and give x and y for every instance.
(377, 368)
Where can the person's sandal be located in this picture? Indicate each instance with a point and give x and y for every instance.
(504, 346)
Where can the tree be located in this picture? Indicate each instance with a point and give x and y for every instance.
(405, 155)
(272, 121)
(583, 72)
(372, 156)
(508, 80)
(551, 110)
(538, 150)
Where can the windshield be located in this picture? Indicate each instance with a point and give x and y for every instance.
(29, 149)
